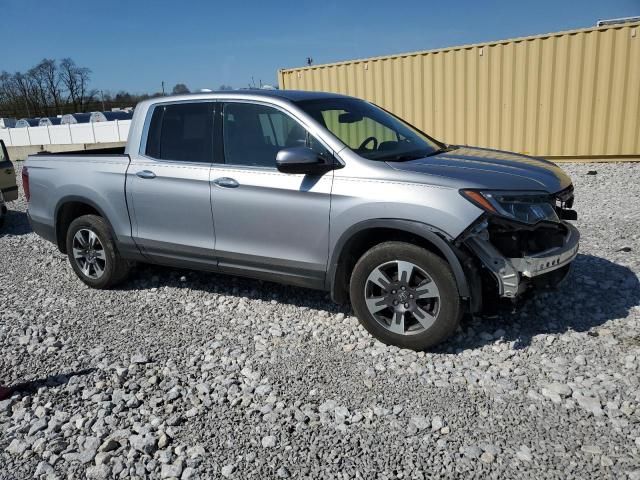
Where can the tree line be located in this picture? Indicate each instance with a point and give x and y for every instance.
(50, 88)
(55, 87)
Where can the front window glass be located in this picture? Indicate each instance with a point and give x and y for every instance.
(370, 131)
(254, 134)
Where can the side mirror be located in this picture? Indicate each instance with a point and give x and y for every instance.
(301, 160)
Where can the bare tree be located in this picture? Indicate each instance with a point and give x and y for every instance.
(35, 77)
(24, 85)
(76, 82)
(52, 80)
(86, 95)
(69, 79)
(53, 87)
(10, 97)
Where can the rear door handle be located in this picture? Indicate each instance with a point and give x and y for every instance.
(146, 174)
(226, 182)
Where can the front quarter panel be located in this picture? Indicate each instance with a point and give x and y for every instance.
(364, 192)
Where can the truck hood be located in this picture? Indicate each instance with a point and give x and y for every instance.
(471, 167)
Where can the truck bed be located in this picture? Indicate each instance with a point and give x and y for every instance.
(92, 152)
(96, 178)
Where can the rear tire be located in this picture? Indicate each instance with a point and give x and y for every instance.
(93, 254)
(405, 295)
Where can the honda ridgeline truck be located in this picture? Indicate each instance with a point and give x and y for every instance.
(317, 190)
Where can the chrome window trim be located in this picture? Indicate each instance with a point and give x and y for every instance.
(230, 166)
(318, 130)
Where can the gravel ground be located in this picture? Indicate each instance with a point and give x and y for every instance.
(193, 375)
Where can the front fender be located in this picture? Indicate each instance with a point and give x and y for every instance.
(429, 233)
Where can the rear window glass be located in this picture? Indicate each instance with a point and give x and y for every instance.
(181, 132)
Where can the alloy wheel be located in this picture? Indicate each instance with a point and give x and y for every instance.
(89, 253)
(402, 297)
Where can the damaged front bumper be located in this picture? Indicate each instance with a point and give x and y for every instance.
(512, 273)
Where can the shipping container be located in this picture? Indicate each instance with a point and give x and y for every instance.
(573, 94)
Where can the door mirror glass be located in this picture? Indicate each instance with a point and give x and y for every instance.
(302, 160)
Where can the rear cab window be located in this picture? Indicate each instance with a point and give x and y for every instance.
(181, 132)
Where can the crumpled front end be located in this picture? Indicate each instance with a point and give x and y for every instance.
(515, 258)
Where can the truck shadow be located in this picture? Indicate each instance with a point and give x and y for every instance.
(54, 380)
(147, 276)
(15, 223)
(596, 291)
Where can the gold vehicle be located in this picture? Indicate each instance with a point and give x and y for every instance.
(8, 186)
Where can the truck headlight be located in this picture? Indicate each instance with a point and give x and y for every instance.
(526, 207)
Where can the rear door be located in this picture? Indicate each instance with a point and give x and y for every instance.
(168, 188)
(8, 184)
(268, 224)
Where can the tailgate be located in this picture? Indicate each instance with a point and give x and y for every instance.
(8, 184)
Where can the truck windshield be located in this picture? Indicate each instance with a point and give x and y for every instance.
(370, 131)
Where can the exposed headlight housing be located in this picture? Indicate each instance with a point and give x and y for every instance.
(526, 207)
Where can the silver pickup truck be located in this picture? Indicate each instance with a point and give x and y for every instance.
(317, 190)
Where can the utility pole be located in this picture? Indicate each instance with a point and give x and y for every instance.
(163, 88)
(102, 95)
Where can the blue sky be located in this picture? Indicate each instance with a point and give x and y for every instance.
(136, 44)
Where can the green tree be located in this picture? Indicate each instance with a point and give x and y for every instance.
(180, 88)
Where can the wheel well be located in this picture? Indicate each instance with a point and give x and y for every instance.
(360, 243)
(67, 213)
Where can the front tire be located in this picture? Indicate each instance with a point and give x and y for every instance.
(93, 254)
(405, 295)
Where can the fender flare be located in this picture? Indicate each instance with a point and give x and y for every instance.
(78, 199)
(433, 235)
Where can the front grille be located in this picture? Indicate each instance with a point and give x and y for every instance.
(522, 243)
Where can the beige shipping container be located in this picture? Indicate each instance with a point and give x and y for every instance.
(565, 95)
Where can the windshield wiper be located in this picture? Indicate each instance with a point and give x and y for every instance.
(404, 157)
(447, 148)
(407, 156)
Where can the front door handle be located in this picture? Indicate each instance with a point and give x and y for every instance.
(146, 174)
(226, 182)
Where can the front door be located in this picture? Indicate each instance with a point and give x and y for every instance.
(268, 224)
(168, 187)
